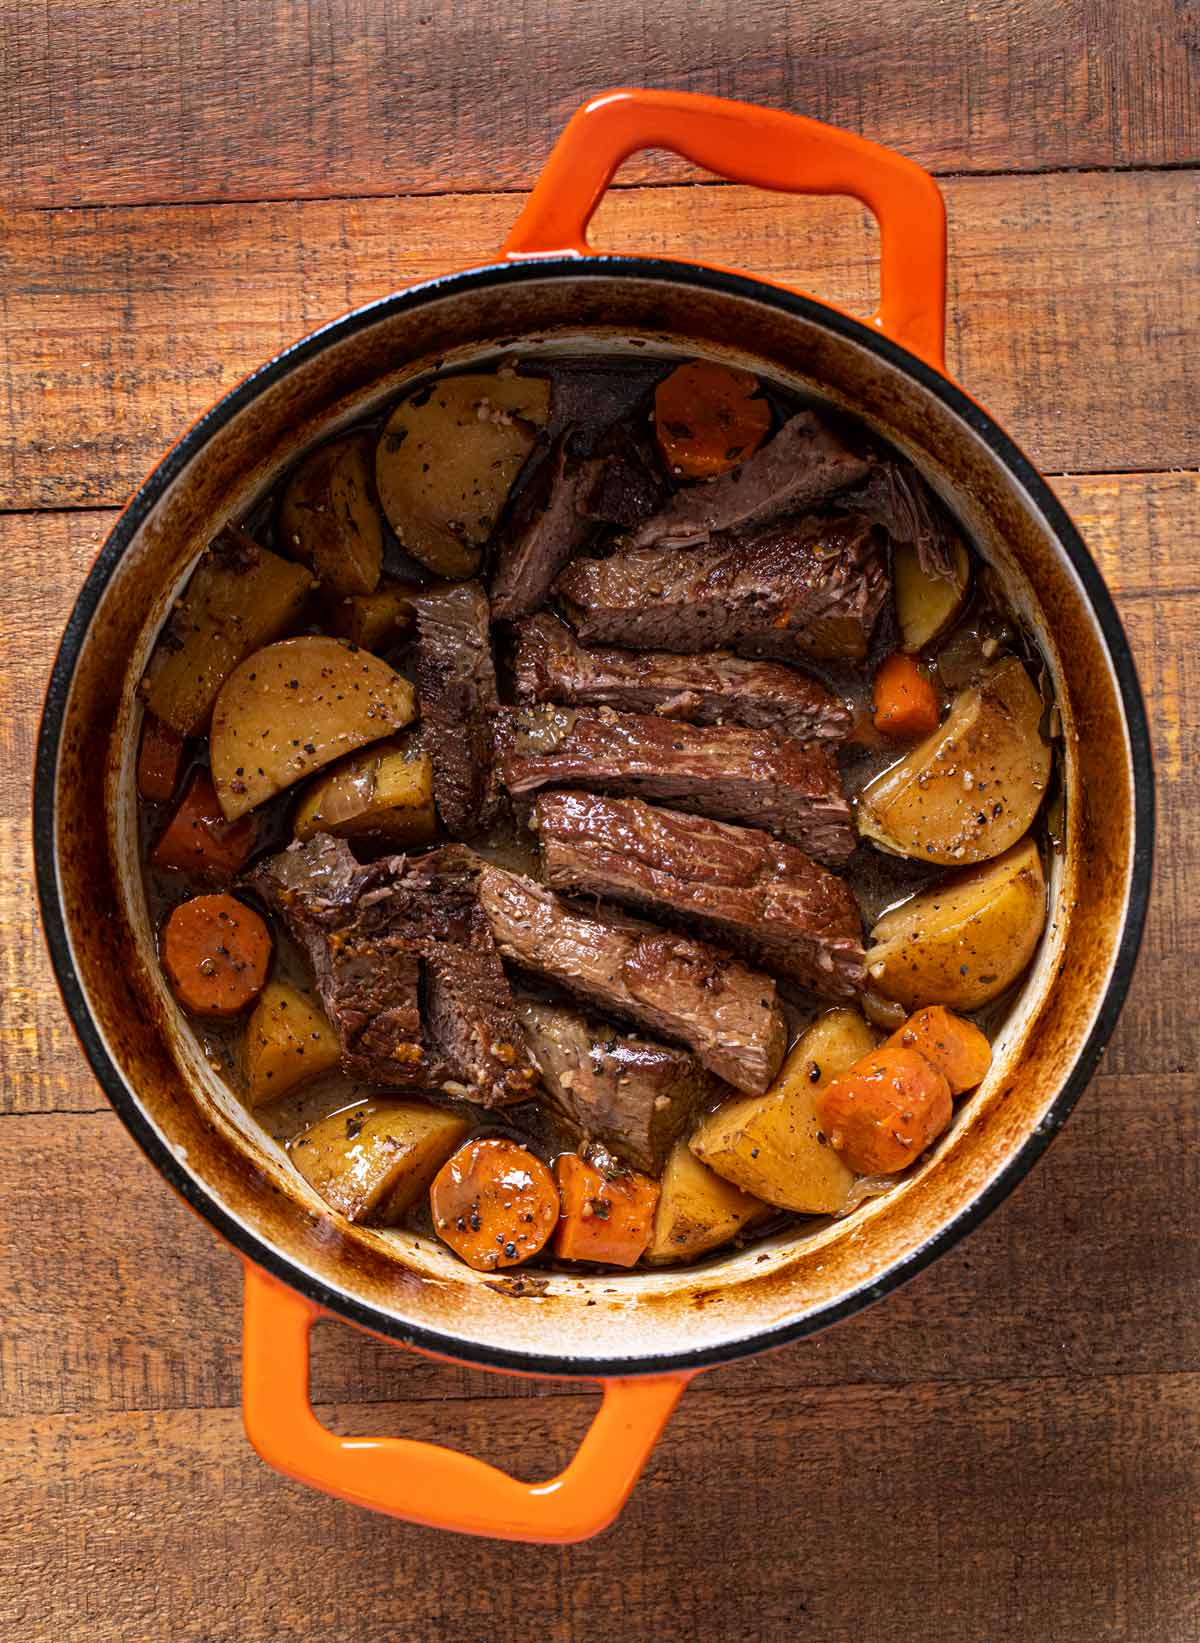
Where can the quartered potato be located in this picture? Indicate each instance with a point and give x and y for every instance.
(328, 516)
(373, 1161)
(973, 787)
(288, 1041)
(772, 1145)
(373, 620)
(926, 605)
(962, 942)
(240, 597)
(697, 1210)
(446, 462)
(294, 707)
(384, 793)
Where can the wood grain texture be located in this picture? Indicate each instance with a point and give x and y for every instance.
(1141, 527)
(1051, 1509)
(1006, 1450)
(143, 1315)
(216, 100)
(1072, 302)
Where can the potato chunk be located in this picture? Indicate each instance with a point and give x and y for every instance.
(294, 707)
(373, 620)
(972, 788)
(239, 598)
(373, 1161)
(384, 793)
(288, 1041)
(962, 942)
(926, 605)
(772, 1145)
(446, 462)
(697, 1210)
(328, 516)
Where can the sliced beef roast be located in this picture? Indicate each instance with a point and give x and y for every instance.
(406, 967)
(804, 463)
(896, 497)
(456, 685)
(722, 770)
(543, 531)
(680, 989)
(631, 1093)
(737, 885)
(623, 482)
(715, 688)
(808, 587)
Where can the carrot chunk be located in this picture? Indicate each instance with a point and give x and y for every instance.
(604, 1218)
(198, 839)
(216, 952)
(159, 759)
(906, 704)
(708, 418)
(957, 1048)
(494, 1203)
(885, 1111)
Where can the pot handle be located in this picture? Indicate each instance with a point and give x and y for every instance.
(422, 1482)
(768, 149)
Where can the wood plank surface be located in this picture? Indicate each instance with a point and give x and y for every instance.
(1141, 528)
(1071, 302)
(216, 100)
(1061, 1510)
(1006, 1450)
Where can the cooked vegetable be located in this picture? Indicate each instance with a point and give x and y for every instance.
(373, 620)
(605, 1217)
(383, 793)
(288, 1042)
(446, 462)
(926, 605)
(239, 597)
(374, 1161)
(906, 704)
(962, 942)
(697, 1210)
(885, 1111)
(198, 840)
(972, 788)
(494, 1203)
(216, 952)
(328, 517)
(159, 759)
(772, 1145)
(957, 1048)
(832, 1044)
(708, 418)
(294, 707)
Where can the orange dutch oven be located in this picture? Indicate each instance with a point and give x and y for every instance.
(644, 1335)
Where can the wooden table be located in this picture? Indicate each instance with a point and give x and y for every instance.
(1006, 1449)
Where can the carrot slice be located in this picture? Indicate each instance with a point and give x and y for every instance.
(906, 704)
(216, 952)
(885, 1111)
(706, 419)
(159, 759)
(604, 1218)
(957, 1048)
(199, 840)
(494, 1203)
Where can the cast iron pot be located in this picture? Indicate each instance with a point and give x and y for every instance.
(641, 1336)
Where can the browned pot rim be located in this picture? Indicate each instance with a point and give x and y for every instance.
(191, 447)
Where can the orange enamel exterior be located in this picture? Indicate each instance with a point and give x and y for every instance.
(422, 1482)
(767, 149)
